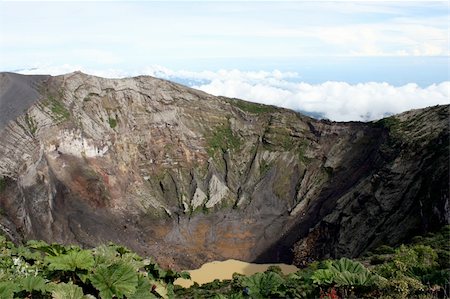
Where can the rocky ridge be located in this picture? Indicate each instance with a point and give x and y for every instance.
(187, 177)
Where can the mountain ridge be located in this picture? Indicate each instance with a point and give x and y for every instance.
(188, 177)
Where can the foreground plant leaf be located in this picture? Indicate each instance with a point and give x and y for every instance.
(7, 289)
(347, 265)
(71, 261)
(50, 249)
(68, 291)
(262, 285)
(33, 283)
(118, 280)
(143, 290)
(323, 277)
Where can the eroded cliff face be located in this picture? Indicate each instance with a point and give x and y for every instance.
(187, 177)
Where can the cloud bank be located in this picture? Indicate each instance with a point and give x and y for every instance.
(339, 101)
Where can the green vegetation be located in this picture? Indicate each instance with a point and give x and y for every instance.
(112, 122)
(279, 137)
(264, 167)
(254, 108)
(395, 127)
(391, 123)
(59, 111)
(41, 270)
(415, 129)
(301, 151)
(346, 276)
(2, 184)
(31, 123)
(222, 139)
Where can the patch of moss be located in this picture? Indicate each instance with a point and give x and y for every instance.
(59, 112)
(391, 123)
(31, 123)
(201, 169)
(328, 170)
(264, 167)
(199, 210)
(112, 122)
(282, 185)
(279, 137)
(254, 108)
(301, 151)
(287, 143)
(396, 129)
(222, 139)
(227, 203)
(2, 184)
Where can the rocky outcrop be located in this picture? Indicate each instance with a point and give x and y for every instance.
(187, 177)
(403, 191)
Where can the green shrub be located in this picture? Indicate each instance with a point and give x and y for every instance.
(377, 259)
(402, 286)
(384, 249)
(112, 122)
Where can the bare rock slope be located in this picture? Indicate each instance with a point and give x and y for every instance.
(187, 177)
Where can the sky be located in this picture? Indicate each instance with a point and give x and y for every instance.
(345, 60)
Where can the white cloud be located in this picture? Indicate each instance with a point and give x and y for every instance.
(160, 71)
(40, 68)
(339, 101)
(399, 37)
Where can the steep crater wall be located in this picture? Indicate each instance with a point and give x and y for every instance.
(188, 177)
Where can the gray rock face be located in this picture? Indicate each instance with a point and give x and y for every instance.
(187, 177)
(17, 93)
